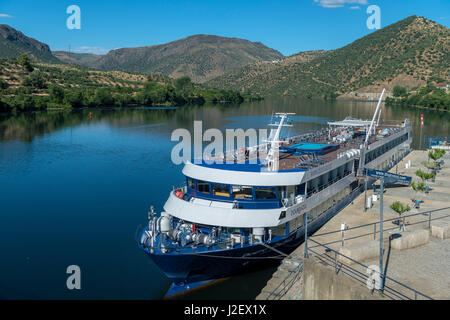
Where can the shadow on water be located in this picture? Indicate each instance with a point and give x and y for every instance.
(76, 184)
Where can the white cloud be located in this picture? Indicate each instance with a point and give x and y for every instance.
(338, 3)
(94, 50)
(4, 15)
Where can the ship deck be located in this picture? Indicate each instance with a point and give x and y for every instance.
(302, 161)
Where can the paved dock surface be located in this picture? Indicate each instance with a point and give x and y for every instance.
(423, 268)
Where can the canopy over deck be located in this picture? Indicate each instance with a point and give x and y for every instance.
(350, 122)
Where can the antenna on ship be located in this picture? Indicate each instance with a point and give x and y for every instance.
(274, 139)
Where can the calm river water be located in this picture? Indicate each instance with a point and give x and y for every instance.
(75, 186)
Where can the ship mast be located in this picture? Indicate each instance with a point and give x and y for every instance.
(365, 145)
(373, 119)
(273, 154)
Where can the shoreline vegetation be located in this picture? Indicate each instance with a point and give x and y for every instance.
(428, 97)
(27, 86)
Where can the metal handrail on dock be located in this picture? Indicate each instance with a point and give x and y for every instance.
(388, 291)
(374, 225)
(285, 285)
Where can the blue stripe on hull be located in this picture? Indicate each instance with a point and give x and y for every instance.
(189, 268)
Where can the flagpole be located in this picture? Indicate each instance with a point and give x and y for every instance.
(421, 128)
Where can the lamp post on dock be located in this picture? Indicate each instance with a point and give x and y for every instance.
(382, 175)
(381, 235)
(305, 222)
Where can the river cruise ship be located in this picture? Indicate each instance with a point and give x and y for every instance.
(231, 216)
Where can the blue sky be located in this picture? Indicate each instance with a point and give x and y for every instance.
(288, 26)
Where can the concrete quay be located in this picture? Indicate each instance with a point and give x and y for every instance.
(420, 260)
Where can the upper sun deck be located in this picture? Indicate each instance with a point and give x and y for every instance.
(303, 152)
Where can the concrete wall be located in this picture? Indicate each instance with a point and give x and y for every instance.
(411, 239)
(320, 282)
(359, 251)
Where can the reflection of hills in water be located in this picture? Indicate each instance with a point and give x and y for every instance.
(26, 126)
(309, 114)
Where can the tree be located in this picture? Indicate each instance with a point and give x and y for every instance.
(417, 187)
(25, 62)
(429, 165)
(3, 84)
(4, 107)
(56, 93)
(436, 154)
(102, 97)
(37, 80)
(399, 91)
(400, 208)
(74, 98)
(183, 84)
(424, 175)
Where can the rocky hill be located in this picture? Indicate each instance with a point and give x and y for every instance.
(200, 57)
(13, 43)
(406, 53)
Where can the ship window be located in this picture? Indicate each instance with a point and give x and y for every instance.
(290, 193)
(301, 189)
(221, 190)
(190, 183)
(203, 186)
(265, 193)
(242, 192)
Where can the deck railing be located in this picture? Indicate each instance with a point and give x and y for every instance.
(331, 182)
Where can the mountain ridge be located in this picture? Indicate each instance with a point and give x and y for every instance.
(13, 43)
(408, 52)
(201, 57)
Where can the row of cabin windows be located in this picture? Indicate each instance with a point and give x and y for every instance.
(271, 193)
(233, 191)
(297, 222)
(383, 149)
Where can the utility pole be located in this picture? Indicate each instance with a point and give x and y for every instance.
(305, 222)
(381, 235)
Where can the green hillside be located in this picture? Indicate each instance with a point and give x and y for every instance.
(13, 43)
(200, 57)
(406, 53)
(83, 59)
(29, 86)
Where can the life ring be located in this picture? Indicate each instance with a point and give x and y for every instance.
(179, 194)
